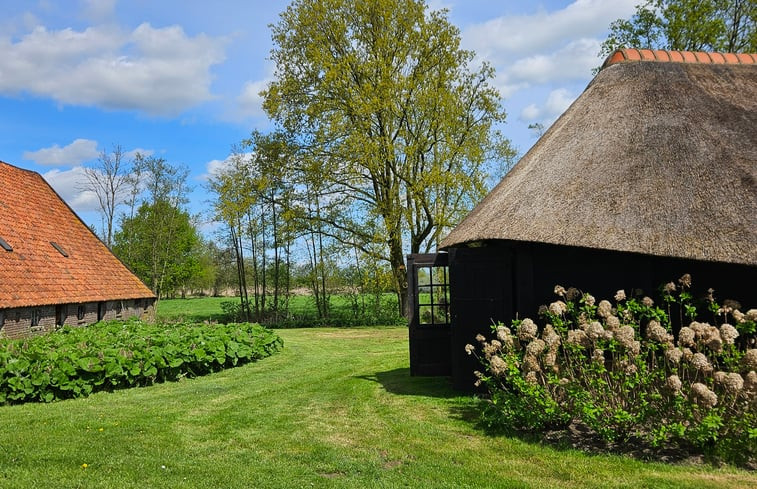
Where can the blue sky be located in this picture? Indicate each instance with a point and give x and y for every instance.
(180, 79)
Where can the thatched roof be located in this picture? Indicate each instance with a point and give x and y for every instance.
(657, 156)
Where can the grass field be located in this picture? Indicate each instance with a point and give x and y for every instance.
(336, 408)
(301, 307)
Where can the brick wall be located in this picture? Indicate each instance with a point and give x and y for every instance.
(29, 321)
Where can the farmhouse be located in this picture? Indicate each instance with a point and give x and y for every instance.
(651, 173)
(54, 271)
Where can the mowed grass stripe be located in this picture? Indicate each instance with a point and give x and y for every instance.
(336, 408)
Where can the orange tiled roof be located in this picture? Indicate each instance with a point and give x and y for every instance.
(32, 215)
(626, 55)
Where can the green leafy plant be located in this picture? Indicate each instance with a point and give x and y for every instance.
(74, 362)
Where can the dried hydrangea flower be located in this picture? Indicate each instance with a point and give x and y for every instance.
(502, 332)
(550, 359)
(728, 333)
(698, 328)
(701, 363)
(685, 280)
(703, 396)
(489, 349)
(469, 349)
(635, 347)
(687, 354)
(480, 338)
(673, 384)
(497, 365)
(620, 295)
(750, 359)
(551, 338)
(598, 356)
(531, 378)
(536, 348)
(594, 330)
(750, 381)
(559, 291)
(625, 336)
(612, 322)
(673, 355)
(751, 315)
(527, 330)
(589, 300)
(543, 310)
(713, 341)
(604, 309)
(578, 337)
(558, 308)
(572, 294)
(686, 336)
(647, 301)
(733, 383)
(669, 288)
(739, 316)
(719, 377)
(531, 364)
(655, 332)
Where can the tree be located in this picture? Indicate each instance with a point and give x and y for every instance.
(108, 179)
(687, 25)
(171, 264)
(157, 241)
(385, 105)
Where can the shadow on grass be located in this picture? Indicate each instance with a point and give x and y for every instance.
(399, 381)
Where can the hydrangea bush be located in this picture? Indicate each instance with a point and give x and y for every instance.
(616, 367)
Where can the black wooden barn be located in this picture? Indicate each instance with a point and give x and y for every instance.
(650, 174)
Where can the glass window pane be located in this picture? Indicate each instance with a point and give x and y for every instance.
(424, 275)
(425, 315)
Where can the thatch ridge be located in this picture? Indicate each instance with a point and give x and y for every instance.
(654, 158)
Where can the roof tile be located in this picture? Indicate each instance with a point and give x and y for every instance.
(659, 55)
(35, 273)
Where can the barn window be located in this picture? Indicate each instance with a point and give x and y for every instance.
(35, 317)
(4, 245)
(2, 319)
(433, 295)
(119, 308)
(59, 248)
(80, 313)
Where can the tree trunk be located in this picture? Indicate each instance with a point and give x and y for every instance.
(399, 272)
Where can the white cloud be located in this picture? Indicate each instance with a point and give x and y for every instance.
(160, 71)
(70, 184)
(79, 151)
(557, 102)
(131, 154)
(214, 168)
(249, 102)
(545, 46)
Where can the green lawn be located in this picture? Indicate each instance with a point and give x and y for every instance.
(335, 408)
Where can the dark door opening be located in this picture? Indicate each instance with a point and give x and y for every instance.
(429, 327)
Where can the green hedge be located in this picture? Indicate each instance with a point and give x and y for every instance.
(74, 362)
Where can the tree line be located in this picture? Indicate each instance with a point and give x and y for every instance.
(385, 133)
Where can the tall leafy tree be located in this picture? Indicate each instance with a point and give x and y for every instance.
(399, 121)
(687, 25)
(173, 263)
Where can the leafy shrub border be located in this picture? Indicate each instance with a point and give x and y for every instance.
(619, 370)
(75, 362)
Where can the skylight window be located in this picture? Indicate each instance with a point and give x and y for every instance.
(4, 245)
(59, 248)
